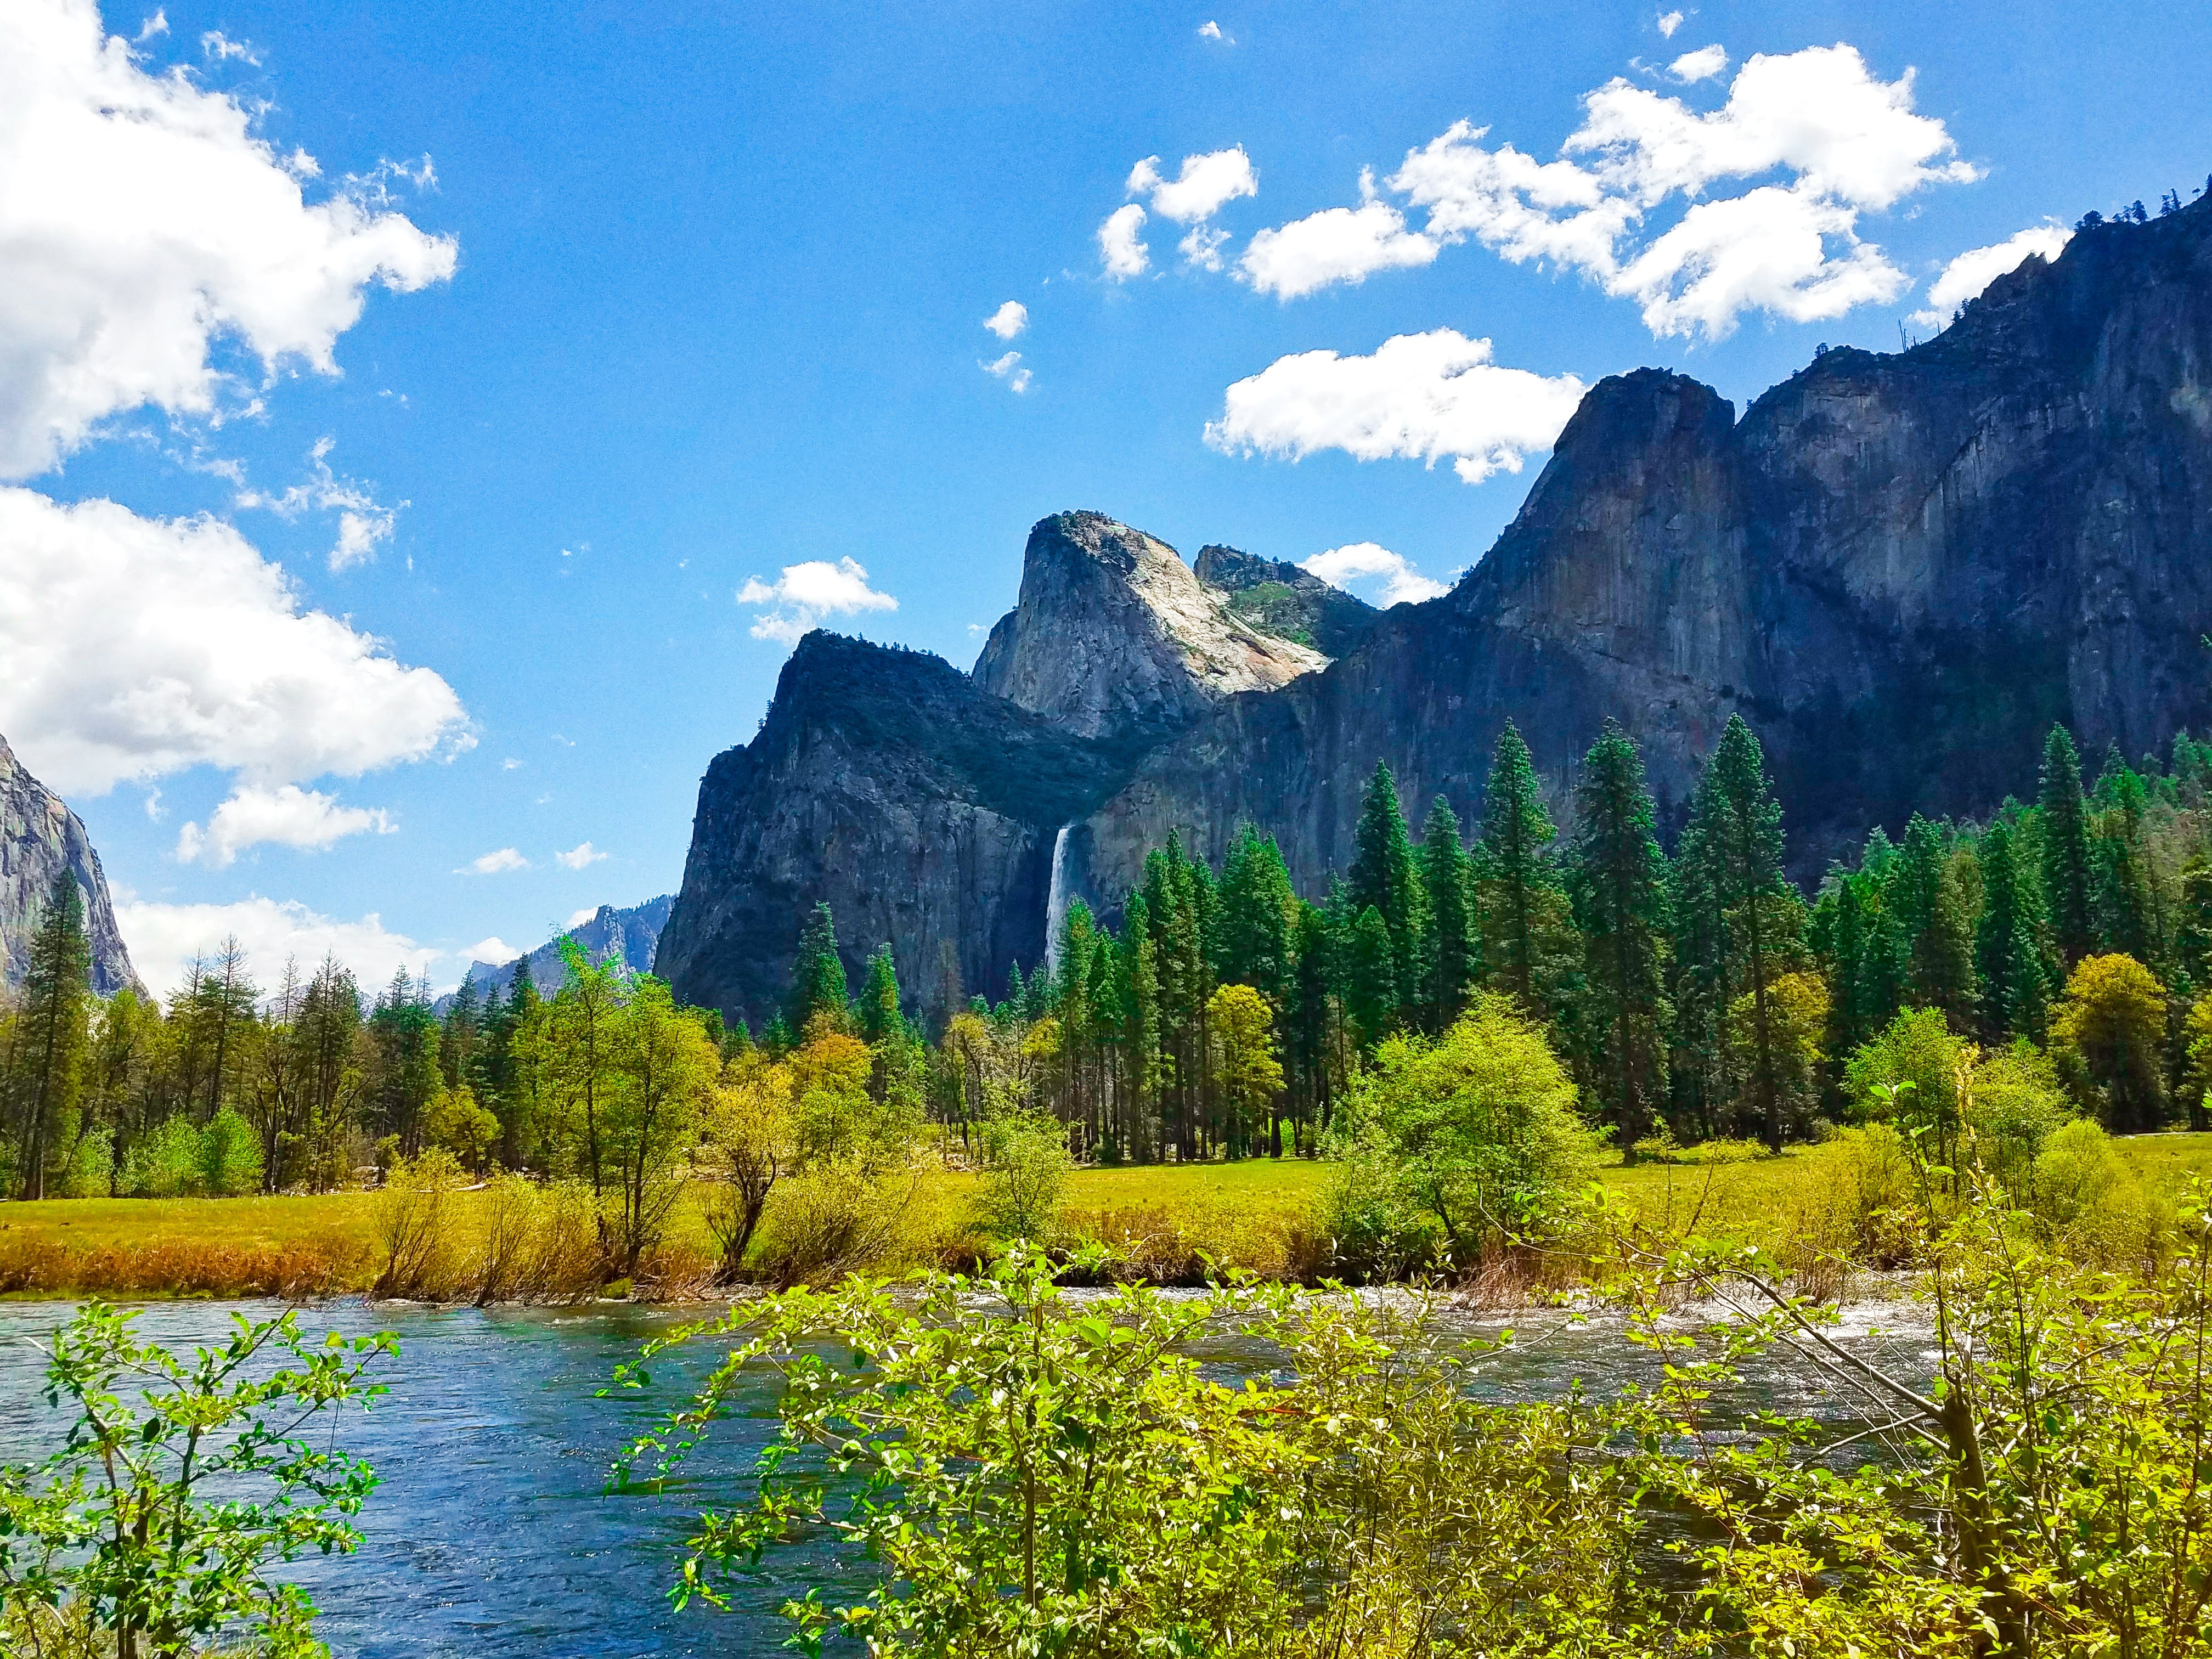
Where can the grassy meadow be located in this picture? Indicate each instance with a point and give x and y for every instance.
(1164, 1219)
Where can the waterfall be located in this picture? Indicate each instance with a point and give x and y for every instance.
(1056, 903)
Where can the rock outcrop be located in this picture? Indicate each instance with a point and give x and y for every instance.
(39, 838)
(1900, 568)
(1279, 598)
(1114, 636)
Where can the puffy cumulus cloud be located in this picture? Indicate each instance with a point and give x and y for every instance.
(1669, 22)
(139, 646)
(1973, 270)
(1427, 396)
(1702, 65)
(144, 222)
(1389, 576)
(165, 940)
(1008, 320)
(583, 853)
(1121, 250)
(1337, 245)
(497, 862)
(1008, 368)
(1210, 30)
(495, 950)
(287, 815)
(1846, 142)
(578, 918)
(1206, 185)
(805, 594)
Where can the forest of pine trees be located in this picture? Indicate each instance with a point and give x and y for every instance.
(1695, 993)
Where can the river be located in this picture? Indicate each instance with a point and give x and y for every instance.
(492, 1532)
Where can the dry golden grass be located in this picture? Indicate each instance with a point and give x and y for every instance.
(1164, 1221)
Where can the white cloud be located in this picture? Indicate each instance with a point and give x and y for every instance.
(143, 223)
(287, 815)
(1847, 142)
(217, 45)
(1210, 30)
(140, 646)
(1008, 368)
(363, 522)
(1702, 65)
(1362, 562)
(1973, 270)
(1121, 251)
(580, 917)
(495, 863)
(1008, 320)
(494, 949)
(1207, 184)
(804, 594)
(1669, 22)
(157, 24)
(165, 938)
(579, 856)
(1423, 396)
(1337, 245)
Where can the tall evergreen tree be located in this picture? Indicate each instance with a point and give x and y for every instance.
(2067, 877)
(1452, 955)
(2007, 948)
(879, 1007)
(2125, 902)
(1513, 872)
(1370, 976)
(1741, 841)
(54, 1029)
(1383, 876)
(458, 1034)
(818, 977)
(1938, 928)
(1619, 881)
(1257, 903)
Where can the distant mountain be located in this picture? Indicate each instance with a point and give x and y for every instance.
(39, 837)
(1900, 568)
(631, 937)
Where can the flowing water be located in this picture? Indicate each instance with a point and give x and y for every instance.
(1056, 903)
(492, 1533)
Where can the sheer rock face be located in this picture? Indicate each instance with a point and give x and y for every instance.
(631, 937)
(1900, 569)
(39, 838)
(1115, 637)
(923, 808)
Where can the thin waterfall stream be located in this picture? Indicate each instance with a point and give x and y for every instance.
(1056, 903)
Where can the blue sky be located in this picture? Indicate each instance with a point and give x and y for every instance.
(689, 295)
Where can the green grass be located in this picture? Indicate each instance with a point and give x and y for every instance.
(1256, 1214)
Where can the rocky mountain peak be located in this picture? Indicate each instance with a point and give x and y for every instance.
(1279, 598)
(39, 838)
(1114, 636)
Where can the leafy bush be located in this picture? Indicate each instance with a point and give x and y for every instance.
(538, 1244)
(415, 1219)
(1025, 1169)
(1473, 1135)
(2094, 1207)
(230, 1156)
(839, 1216)
(91, 1170)
(164, 1161)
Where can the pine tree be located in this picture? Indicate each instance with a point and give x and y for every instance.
(2124, 902)
(1451, 959)
(1256, 907)
(1514, 874)
(2192, 933)
(1619, 880)
(879, 1007)
(54, 1029)
(1939, 932)
(2007, 950)
(1383, 875)
(1370, 976)
(818, 977)
(2065, 837)
(458, 1035)
(1741, 838)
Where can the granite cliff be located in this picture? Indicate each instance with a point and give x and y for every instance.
(39, 838)
(631, 937)
(1900, 568)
